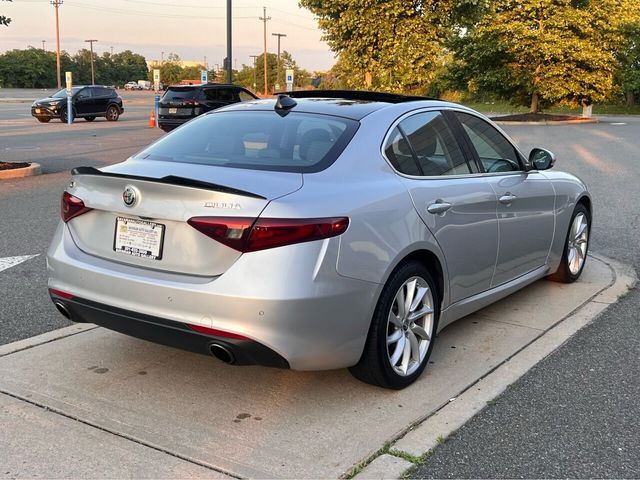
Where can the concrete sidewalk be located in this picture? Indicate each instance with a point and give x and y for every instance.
(96, 404)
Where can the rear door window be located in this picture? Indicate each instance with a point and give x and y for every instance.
(244, 96)
(261, 140)
(226, 95)
(398, 152)
(432, 144)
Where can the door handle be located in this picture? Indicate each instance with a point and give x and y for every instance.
(439, 207)
(507, 198)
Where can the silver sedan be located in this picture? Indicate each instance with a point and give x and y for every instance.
(320, 230)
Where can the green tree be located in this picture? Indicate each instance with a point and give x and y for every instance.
(543, 52)
(629, 58)
(29, 68)
(245, 76)
(393, 45)
(4, 20)
(127, 66)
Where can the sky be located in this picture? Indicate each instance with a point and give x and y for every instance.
(192, 29)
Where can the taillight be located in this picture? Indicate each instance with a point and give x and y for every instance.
(247, 235)
(71, 206)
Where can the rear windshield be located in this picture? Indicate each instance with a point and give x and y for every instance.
(261, 140)
(175, 94)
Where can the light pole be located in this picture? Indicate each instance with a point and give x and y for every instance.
(278, 66)
(255, 71)
(264, 20)
(56, 4)
(229, 38)
(93, 76)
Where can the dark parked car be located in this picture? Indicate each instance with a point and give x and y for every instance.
(181, 103)
(88, 102)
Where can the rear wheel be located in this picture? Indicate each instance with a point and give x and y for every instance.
(576, 247)
(113, 113)
(43, 119)
(89, 119)
(402, 331)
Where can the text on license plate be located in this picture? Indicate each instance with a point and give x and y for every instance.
(173, 110)
(139, 238)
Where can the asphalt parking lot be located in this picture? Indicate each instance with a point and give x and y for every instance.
(603, 154)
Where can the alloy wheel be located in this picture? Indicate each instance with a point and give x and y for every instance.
(410, 326)
(577, 243)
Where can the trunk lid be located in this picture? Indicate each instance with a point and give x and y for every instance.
(167, 195)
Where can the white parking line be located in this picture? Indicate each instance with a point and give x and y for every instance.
(8, 262)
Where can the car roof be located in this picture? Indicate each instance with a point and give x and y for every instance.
(340, 103)
(208, 85)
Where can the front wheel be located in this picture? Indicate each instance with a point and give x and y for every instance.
(113, 113)
(402, 331)
(63, 116)
(576, 247)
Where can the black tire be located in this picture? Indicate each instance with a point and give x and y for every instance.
(63, 116)
(113, 113)
(90, 119)
(564, 273)
(375, 366)
(43, 119)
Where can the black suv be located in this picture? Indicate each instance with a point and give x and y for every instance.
(182, 103)
(88, 102)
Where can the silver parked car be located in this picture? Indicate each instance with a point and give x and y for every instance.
(322, 230)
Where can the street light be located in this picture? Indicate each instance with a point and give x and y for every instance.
(255, 71)
(278, 66)
(93, 75)
(56, 4)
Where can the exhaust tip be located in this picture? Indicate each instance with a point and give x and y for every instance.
(63, 310)
(222, 353)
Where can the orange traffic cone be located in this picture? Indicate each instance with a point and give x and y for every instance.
(152, 119)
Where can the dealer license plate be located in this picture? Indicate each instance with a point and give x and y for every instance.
(139, 238)
(173, 110)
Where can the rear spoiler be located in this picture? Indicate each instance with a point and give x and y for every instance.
(168, 180)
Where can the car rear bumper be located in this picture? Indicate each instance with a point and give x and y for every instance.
(291, 300)
(171, 123)
(243, 351)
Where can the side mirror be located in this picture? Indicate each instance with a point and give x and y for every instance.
(541, 159)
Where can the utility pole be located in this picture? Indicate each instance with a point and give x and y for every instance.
(264, 19)
(111, 49)
(205, 63)
(229, 38)
(44, 49)
(56, 4)
(161, 58)
(278, 66)
(93, 76)
(255, 71)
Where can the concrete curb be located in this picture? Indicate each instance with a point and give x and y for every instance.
(47, 337)
(30, 171)
(423, 437)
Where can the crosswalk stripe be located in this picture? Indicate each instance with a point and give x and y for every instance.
(8, 262)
